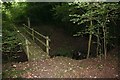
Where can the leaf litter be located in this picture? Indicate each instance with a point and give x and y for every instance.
(63, 67)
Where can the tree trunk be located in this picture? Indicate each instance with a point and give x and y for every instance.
(104, 41)
(89, 45)
(98, 42)
(90, 38)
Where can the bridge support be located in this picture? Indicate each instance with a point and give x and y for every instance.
(47, 44)
(27, 48)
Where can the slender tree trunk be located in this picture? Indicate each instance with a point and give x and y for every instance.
(90, 38)
(104, 41)
(89, 45)
(98, 42)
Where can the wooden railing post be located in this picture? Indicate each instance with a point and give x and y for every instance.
(33, 35)
(27, 48)
(28, 22)
(47, 44)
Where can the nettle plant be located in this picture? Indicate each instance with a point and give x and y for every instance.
(10, 42)
(96, 16)
(10, 39)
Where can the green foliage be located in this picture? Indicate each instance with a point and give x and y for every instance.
(89, 18)
(62, 12)
(41, 12)
(12, 73)
(96, 16)
(61, 17)
(9, 38)
(13, 11)
(97, 12)
(10, 42)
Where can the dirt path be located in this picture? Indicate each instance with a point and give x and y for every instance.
(63, 67)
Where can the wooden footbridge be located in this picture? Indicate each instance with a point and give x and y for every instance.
(34, 44)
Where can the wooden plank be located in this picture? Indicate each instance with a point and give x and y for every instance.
(37, 39)
(28, 32)
(42, 42)
(41, 35)
(27, 27)
(19, 32)
(37, 32)
(34, 37)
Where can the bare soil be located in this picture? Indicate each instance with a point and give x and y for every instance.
(63, 67)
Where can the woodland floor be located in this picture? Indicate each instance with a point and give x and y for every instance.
(64, 67)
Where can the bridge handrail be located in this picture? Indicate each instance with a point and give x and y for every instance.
(36, 32)
(34, 37)
(26, 48)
